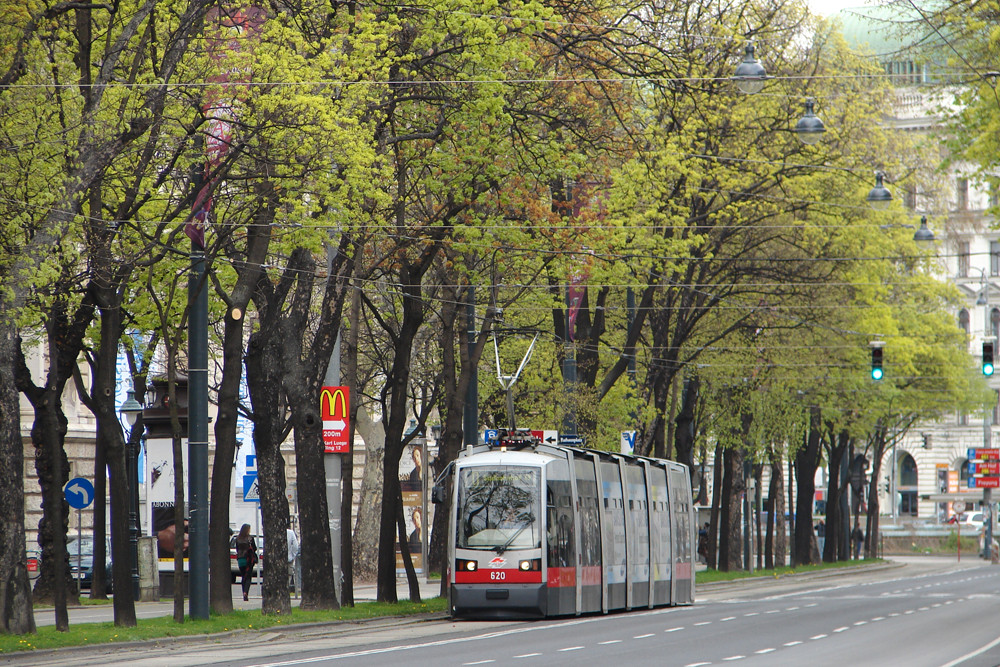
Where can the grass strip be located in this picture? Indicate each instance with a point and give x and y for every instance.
(708, 576)
(87, 634)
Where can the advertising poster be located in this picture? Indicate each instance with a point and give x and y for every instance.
(412, 467)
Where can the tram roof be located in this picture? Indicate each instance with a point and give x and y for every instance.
(552, 451)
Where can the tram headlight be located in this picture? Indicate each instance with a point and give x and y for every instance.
(533, 565)
(462, 565)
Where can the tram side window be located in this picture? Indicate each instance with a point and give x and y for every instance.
(559, 515)
(590, 527)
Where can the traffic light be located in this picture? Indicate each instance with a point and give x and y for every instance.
(987, 359)
(877, 363)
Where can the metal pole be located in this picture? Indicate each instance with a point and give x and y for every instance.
(569, 372)
(198, 434)
(133, 513)
(334, 473)
(470, 421)
(987, 430)
(892, 490)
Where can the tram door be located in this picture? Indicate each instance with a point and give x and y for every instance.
(683, 533)
(613, 534)
(660, 569)
(590, 535)
(560, 540)
(638, 534)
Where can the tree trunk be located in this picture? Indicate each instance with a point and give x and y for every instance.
(369, 509)
(16, 615)
(806, 461)
(111, 440)
(872, 537)
(398, 381)
(685, 423)
(730, 533)
(718, 475)
(263, 359)
(776, 494)
(404, 548)
(835, 487)
(226, 423)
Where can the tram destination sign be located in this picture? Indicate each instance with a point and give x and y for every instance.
(984, 454)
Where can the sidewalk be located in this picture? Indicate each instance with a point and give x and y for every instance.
(165, 607)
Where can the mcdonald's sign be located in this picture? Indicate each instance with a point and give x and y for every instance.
(334, 403)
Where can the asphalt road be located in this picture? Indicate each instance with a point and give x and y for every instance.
(917, 612)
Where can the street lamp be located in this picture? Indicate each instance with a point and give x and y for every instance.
(750, 74)
(879, 197)
(923, 234)
(131, 409)
(810, 128)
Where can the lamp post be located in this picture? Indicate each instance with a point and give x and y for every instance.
(810, 128)
(131, 409)
(750, 74)
(984, 301)
(879, 196)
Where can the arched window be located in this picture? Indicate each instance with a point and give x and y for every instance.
(963, 473)
(907, 471)
(907, 485)
(963, 321)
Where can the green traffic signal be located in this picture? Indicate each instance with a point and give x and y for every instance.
(987, 359)
(877, 373)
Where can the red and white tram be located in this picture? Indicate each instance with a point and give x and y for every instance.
(548, 530)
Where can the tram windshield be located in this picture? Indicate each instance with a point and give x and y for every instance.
(498, 508)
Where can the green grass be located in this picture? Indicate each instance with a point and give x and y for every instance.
(85, 634)
(706, 576)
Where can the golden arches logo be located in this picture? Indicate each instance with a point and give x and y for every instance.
(332, 398)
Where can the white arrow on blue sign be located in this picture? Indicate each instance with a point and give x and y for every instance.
(79, 493)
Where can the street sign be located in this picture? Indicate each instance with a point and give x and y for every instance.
(984, 467)
(984, 482)
(958, 506)
(571, 440)
(251, 490)
(983, 454)
(547, 437)
(490, 435)
(628, 442)
(79, 493)
(334, 406)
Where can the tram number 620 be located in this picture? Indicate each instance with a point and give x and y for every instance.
(498, 576)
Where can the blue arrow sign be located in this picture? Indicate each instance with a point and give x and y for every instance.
(79, 493)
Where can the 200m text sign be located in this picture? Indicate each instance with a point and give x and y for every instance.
(334, 406)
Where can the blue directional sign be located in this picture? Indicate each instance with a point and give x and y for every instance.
(79, 493)
(572, 440)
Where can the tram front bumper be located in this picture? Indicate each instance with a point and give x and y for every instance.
(507, 601)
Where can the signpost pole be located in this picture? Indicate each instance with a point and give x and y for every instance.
(334, 408)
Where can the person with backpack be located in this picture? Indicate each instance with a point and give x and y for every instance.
(246, 558)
